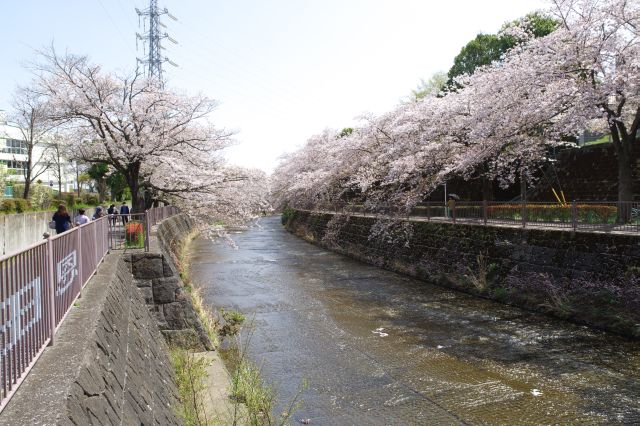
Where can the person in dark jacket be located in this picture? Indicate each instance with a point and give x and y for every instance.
(112, 211)
(124, 212)
(62, 219)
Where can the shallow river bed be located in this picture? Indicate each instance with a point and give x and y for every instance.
(381, 348)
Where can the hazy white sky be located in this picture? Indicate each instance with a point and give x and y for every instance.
(282, 70)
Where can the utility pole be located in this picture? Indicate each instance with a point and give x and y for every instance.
(152, 39)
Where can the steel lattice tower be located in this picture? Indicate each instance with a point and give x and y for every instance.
(152, 39)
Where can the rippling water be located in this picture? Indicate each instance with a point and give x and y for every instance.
(381, 348)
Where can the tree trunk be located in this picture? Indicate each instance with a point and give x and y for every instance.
(625, 178)
(101, 186)
(148, 200)
(137, 200)
(487, 189)
(27, 188)
(132, 176)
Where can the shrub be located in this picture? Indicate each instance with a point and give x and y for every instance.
(21, 205)
(287, 214)
(41, 196)
(18, 190)
(134, 232)
(70, 199)
(585, 213)
(233, 323)
(92, 200)
(8, 206)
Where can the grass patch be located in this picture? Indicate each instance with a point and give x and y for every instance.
(254, 398)
(205, 314)
(190, 373)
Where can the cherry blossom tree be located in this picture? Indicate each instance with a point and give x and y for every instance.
(503, 119)
(158, 139)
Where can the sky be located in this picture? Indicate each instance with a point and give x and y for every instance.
(281, 70)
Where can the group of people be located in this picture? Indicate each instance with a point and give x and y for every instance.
(63, 222)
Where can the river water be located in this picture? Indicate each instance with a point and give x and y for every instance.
(379, 348)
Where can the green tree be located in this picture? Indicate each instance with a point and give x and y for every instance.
(98, 172)
(433, 86)
(345, 132)
(488, 48)
(117, 185)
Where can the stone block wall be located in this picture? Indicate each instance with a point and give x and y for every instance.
(167, 300)
(589, 278)
(172, 233)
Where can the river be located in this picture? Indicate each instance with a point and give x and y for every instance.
(379, 348)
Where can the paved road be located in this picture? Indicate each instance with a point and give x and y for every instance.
(380, 348)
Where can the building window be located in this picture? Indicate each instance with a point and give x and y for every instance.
(18, 166)
(14, 146)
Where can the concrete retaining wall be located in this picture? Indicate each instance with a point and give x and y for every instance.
(588, 278)
(20, 230)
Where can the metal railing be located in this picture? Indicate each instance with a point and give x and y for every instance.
(601, 216)
(39, 285)
(159, 214)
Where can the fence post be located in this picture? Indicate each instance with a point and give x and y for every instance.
(52, 291)
(523, 212)
(484, 212)
(574, 215)
(147, 233)
(79, 245)
(453, 213)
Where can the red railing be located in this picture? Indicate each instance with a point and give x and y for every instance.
(39, 285)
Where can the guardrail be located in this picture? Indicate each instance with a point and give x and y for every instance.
(39, 285)
(602, 216)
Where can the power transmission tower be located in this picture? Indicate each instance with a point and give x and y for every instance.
(152, 39)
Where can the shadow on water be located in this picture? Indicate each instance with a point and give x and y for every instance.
(382, 348)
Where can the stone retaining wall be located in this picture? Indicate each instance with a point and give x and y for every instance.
(167, 300)
(588, 278)
(158, 279)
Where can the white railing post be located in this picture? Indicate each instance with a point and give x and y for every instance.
(147, 233)
(79, 245)
(52, 291)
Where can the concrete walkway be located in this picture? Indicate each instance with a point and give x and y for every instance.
(219, 409)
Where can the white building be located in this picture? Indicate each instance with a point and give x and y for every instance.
(13, 155)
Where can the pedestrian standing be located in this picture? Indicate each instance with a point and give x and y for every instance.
(124, 213)
(62, 219)
(81, 218)
(99, 213)
(113, 213)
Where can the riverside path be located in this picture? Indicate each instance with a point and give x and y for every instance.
(380, 348)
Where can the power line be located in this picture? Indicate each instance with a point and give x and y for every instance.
(120, 33)
(152, 39)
